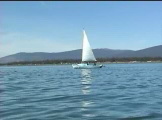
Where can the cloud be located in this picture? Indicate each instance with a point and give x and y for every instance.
(12, 43)
(2, 33)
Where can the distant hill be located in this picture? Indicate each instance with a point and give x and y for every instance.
(155, 51)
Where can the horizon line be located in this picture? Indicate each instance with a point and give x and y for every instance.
(80, 49)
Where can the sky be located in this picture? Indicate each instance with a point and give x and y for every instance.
(56, 26)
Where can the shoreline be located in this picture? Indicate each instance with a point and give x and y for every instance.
(131, 62)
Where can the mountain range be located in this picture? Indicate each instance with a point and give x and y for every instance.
(155, 51)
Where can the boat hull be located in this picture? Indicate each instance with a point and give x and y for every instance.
(85, 66)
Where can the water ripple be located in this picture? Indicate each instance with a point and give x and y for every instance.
(115, 92)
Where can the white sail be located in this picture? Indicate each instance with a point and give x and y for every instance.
(87, 53)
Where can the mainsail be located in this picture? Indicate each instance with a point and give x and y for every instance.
(87, 53)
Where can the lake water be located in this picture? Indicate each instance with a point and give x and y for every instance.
(59, 92)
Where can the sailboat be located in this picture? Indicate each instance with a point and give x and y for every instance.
(88, 58)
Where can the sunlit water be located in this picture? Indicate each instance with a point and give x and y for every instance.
(59, 92)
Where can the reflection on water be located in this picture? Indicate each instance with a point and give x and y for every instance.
(86, 81)
(86, 90)
(117, 92)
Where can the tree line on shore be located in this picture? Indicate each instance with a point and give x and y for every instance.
(73, 61)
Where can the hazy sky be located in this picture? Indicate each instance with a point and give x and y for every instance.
(54, 26)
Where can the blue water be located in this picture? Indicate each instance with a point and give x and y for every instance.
(59, 92)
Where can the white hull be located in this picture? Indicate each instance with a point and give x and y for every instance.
(85, 66)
